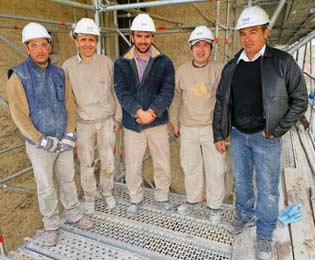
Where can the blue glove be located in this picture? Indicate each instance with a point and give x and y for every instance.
(291, 214)
(48, 143)
(67, 143)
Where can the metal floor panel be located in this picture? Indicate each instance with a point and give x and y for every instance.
(75, 247)
(181, 225)
(24, 254)
(152, 243)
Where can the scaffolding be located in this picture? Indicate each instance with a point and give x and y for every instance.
(301, 48)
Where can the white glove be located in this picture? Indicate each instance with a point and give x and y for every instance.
(67, 143)
(48, 143)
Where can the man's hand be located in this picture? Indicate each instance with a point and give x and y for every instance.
(145, 117)
(176, 130)
(116, 126)
(263, 132)
(220, 146)
(67, 143)
(48, 143)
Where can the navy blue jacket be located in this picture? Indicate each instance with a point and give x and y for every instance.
(155, 91)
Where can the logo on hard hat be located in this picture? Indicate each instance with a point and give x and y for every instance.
(90, 28)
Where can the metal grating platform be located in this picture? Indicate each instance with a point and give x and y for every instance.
(151, 234)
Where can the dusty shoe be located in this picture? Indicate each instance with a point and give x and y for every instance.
(133, 208)
(51, 237)
(84, 223)
(165, 206)
(239, 225)
(88, 207)
(263, 249)
(214, 216)
(187, 208)
(110, 201)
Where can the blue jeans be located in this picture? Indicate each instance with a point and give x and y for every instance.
(249, 151)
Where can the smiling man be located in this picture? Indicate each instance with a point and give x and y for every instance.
(261, 95)
(191, 115)
(42, 107)
(98, 112)
(144, 84)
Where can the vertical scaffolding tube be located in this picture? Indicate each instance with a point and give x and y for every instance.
(217, 31)
(116, 34)
(227, 35)
(97, 21)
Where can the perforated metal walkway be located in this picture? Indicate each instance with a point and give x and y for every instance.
(151, 234)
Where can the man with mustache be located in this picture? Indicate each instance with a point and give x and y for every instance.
(261, 95)
(42, 107)
(144, 84)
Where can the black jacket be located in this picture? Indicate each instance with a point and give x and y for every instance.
(284, 94)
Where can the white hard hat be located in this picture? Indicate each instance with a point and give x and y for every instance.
(143, 23)
(252, 16)
(34, 31)
(86, 26)
(200, 33)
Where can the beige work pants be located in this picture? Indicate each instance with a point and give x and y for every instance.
(201, 161)
(102, 134)
(45, 164)
(135, 146)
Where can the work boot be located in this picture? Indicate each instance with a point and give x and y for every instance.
(110, 201)
(187, 207)
(215, 216)
(132, 209)
(239, 225)
(84, 223)
(165, 206)
(263, 249)
(88, 207)
(51, 237)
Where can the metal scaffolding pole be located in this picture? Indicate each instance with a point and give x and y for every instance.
(226, 37)
(116, 35)
(11, 44)
(4, 104)
(74, 4)
(277, 13)
(107, 8)
(33, 19)
(215, 58)
(16, 174)
(302, 42)
(98, 22)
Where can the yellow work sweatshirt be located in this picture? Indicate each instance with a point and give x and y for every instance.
(195, 94)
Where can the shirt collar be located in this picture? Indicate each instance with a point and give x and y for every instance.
(244, 57)
(80, 60)
(146, 58)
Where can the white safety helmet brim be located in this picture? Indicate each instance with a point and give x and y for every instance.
(252, 16)
(33, 31)
(192, 43)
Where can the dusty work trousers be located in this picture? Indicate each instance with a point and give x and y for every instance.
(45, 165)
(135, 146)
(102, 134)
(201, 161)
